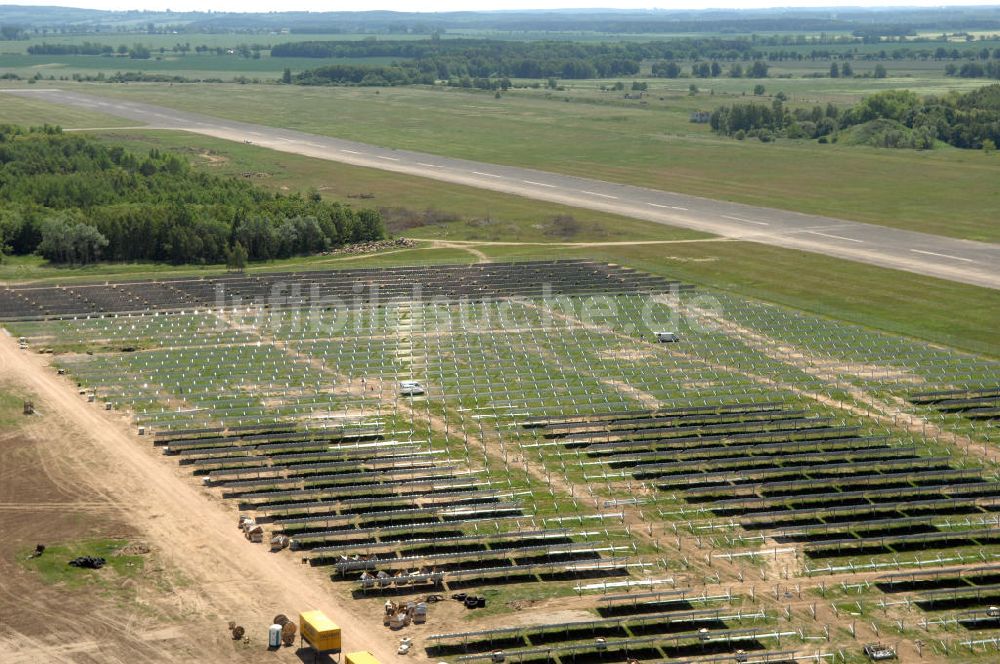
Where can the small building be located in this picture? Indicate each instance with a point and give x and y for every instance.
(321, 633)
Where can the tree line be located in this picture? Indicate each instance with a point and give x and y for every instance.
(670, 69)
(13, 33)
(444, 59)
(678, 49)
(74, 200)
(136, 51)
(249, 51)
(429, 60)
(405, 74)
(974, 70)
(893, 118)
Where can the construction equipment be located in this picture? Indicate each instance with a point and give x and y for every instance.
(279, 542)
(399, 620)
(88, 562)
(420, 613)
(250, 529)
(29, 407)
(398, 615)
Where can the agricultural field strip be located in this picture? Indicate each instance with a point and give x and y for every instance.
(844, 239)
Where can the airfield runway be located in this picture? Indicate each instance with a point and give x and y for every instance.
(965, 261)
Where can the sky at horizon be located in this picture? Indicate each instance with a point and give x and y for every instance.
(465, 5)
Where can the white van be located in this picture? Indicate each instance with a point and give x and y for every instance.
(410, 388)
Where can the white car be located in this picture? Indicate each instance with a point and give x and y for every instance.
(404, 645)
(410, 388)
(667, 337)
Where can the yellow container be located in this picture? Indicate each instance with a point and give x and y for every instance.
(361, 657)
(319, 631)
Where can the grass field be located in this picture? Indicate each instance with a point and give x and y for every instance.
(652, 145)
(10, 409)
(53, 565)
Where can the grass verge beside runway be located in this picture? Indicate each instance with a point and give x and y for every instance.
(31, 112)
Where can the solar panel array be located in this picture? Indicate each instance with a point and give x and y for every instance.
(344, 288)
(557, 447)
